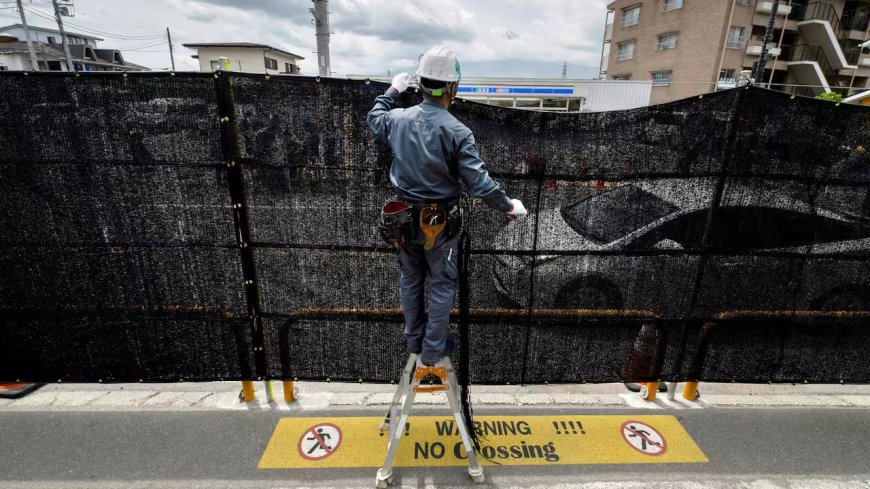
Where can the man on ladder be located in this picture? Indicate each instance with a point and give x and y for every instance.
(432, 152)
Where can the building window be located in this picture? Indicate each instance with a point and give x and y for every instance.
(51, 40)
(667, 41)
(625, 51)
(555, 103)
(743, 2)
(630, 16)
(527, 103)
(661, 78)
(735, 37)
(622, 77)
(54, 66)
(673, 4)
(271, 64)
(215, 65)
(726, 79)
(4, 68)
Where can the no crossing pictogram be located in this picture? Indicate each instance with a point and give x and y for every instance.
(643, 438)
(319, 441)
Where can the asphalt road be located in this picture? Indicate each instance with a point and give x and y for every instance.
(773, 447)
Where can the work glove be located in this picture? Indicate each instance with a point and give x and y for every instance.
(518, 209)
(401, 82)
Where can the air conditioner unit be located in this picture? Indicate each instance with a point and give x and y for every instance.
(756, 51)
(766, 7)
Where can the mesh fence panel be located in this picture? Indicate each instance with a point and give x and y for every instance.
(221, 226)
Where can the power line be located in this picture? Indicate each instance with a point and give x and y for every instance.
(89, 30)
(140, 48)
(145, 45)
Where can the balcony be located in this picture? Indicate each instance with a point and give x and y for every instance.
(755, 50)
(811, 67)
(766, 7)
(726, 83)
(820, 24)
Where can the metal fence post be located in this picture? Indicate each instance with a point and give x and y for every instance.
(235, 181)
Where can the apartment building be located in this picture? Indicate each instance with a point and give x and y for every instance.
(47, 45)
(691, 47)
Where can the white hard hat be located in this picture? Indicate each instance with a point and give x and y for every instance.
(439, 63)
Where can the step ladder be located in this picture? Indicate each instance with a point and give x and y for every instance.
(403, 403)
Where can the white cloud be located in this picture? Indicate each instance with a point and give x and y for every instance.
(519, 37)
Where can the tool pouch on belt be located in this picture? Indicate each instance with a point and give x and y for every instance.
(433, 220)
(396, 225)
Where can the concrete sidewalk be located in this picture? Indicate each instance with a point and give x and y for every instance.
(319, 395)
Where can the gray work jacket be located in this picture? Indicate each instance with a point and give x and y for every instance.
(432, 151)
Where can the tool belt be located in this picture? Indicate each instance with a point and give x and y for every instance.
(401, 220)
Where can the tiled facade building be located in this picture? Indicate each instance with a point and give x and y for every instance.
(690, 47)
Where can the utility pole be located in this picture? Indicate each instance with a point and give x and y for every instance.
(768, 38)
(57, 14)
(30, 49)
(604, 41)
(321, 23)
(169, 40)
(779, 45)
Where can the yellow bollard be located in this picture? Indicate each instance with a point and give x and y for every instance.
(648, 392)
(248, 390)
(690, 391)
(289, 395)
(270, 392)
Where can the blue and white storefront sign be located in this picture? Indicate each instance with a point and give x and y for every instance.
(484, 90)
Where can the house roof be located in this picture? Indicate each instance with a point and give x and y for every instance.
(102, 57)
(858, 97)
(43, 29)
(240, 45)
(20, 47)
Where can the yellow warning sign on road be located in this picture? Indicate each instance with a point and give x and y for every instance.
(309, 443)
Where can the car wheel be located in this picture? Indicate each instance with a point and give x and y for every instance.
(588, 294)
(845, 299)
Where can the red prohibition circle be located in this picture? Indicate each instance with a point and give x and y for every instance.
(313, 430)
(664, 442)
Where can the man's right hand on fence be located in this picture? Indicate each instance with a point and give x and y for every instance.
(401, 82)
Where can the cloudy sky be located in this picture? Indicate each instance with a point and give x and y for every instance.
(493, 38)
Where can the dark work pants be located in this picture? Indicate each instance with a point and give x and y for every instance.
(429, 338)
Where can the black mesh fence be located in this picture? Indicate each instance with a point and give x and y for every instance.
(164, 227)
